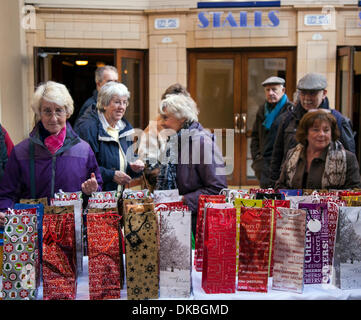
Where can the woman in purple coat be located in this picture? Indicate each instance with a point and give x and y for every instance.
(195, 165)
(53, 157)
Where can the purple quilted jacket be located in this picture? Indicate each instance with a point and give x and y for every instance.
(67, 169)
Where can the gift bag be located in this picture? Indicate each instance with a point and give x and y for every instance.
(274, 205)
(141, 251)
(347, 254)
(74, 199)
(219, 255)
(164, 196)
(289, 250)
(175, 252)
(254, 244)
(20, 254)
(232, 194)
(317, 263)
(296, 200)
(105, 254)
(274, 196)
(198, 247)
(290, 192)
(59, 254)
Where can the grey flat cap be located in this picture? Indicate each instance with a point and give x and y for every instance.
(273, 80)
(312, 81)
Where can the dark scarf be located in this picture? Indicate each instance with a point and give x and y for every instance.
(3, 152)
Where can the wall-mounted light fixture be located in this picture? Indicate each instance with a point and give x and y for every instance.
(81, 62)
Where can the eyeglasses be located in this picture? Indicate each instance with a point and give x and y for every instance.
(58, 113)
(311, 93)
(121, 102)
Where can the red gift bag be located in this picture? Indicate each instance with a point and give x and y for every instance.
(198, 245)
(105, 255)
(274, 204)
(59, 254)
(219, 255)
(254, 244)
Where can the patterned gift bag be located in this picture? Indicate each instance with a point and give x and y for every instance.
(254, 244)
(198, 248)
(20, 265)
(347, 254)
(59, 254)
(219, 255)
(238, 204)
(141, 236)
(274, 205)
(105, 254)
(164, 196)
(317, 263)
(289, 250)
(175, 253)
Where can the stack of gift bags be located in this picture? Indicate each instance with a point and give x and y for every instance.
(137, 238)
(246, 238)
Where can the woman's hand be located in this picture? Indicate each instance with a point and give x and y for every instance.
(90, 185)
(137, 165)
(121, 177)
(2, 219)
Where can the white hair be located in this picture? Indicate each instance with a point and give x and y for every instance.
(109, 90)
(180, 106)
(53, 92)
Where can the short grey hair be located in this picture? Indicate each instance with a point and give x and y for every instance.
(180, 106)
(108, 91)
(53, 92)
(100, 71)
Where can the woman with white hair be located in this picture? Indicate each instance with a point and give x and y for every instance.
(53, 157)
(198, 167)
(107, 132)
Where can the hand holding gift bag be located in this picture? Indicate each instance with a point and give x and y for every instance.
(289, 250)
(105, 254)
(59, 254)
(219, 255)
(254, 244)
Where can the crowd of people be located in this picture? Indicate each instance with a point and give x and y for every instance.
(301, 145)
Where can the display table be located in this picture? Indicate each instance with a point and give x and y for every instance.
(310, 292)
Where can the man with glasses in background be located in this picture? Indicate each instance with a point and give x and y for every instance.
(312, 94)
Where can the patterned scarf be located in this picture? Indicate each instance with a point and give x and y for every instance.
(55, 141)
(335, 166)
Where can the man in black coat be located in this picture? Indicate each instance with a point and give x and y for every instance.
(265, 127)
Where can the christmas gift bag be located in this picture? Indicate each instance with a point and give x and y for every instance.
(317, 263)
(347, 254)
(20, 264)
(59, 254)
(274, 196)
(164, 196)
(290, 192)
(274, 205)
(296, 200)
(105, 254)
(219, 255)
(254, 244)
(289, 250)
(175, 252)
(198, 248)
(73, 199)
(141, 251)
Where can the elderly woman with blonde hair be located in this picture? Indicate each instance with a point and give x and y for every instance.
(195, 163)
(111, 137)
(53, 157)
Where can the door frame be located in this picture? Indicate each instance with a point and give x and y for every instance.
(240, 57)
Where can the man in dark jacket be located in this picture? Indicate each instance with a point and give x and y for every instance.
(103, 75)
(265, 127)
(311, 95)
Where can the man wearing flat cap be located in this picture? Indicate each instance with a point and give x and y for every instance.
(312, 94)
(265, 127)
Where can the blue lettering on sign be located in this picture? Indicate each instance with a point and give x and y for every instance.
(229, 20)
(359, 15)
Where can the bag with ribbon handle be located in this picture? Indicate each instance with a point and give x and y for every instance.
(141, 233)
(21, 277)
(317, 262)
(289, 250)
(219, 254)
(105, 254)
(254, 248)
(175, 252)
(59, 254)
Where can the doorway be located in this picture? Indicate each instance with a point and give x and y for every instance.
(60, 65)
(227, 88)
